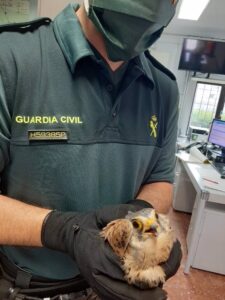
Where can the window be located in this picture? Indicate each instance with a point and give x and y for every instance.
(208, 104)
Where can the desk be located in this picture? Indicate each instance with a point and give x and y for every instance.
(184, 191)
(206, 232)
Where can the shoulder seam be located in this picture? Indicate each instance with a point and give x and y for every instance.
(159, 66)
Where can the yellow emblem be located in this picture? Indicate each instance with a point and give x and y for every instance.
(153, 124)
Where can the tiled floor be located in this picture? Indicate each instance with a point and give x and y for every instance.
(197, 285)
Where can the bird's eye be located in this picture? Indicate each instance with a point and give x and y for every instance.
(137, 224)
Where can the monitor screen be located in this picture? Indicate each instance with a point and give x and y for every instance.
(203, 56)
(217, 133)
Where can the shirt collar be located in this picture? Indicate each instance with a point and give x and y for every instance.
(74, 45)
(70, 36)
(142, 63)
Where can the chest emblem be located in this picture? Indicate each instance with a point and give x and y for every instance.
(153, 124)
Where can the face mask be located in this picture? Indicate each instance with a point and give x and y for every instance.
(129, 27)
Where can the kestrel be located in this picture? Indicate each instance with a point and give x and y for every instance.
(143, 240)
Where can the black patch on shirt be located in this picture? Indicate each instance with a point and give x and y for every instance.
(48, 135)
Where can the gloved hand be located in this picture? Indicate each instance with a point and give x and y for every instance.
(78, 235)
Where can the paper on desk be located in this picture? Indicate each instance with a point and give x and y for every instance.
(210, 182)
(208, 177)
(196, 153)
(184, 156)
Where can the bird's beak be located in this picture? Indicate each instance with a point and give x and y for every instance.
(151, 227)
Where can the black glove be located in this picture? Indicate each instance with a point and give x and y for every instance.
(58, 227)
(78, 235)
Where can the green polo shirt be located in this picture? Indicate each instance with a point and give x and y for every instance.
(68, 141)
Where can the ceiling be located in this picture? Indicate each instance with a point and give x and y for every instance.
(210, 25)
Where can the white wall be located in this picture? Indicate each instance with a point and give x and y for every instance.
(50, 8)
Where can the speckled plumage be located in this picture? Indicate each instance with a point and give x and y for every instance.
(143, 240)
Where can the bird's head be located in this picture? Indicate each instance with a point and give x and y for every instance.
(141, 226)
(146, 222)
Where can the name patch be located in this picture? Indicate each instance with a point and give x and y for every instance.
(47, 135)
(48, 120)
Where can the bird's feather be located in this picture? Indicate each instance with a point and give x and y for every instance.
(118, 234)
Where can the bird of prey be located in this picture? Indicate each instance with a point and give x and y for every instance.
(143, 240)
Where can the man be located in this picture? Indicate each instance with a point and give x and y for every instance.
(88, 123)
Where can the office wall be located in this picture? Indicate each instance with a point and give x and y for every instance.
(167, 50)
(50, 8)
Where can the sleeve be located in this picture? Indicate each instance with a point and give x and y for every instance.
(5, 121)
(164, 168)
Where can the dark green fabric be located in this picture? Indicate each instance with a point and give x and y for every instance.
(5, 120)
(160, 11)
(110, 152)
(129, 27)
(115, 77)
(125, 36)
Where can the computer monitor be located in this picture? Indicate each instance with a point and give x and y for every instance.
(217, 134)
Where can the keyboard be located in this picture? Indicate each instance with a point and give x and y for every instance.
(220, 167)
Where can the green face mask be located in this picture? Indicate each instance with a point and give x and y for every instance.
(129, 27)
